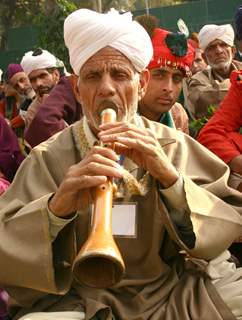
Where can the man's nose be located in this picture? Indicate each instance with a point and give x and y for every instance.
(21, 85)
(38, 83)
(219, 48)
(195, 64)
(168, 85)
(106, 87)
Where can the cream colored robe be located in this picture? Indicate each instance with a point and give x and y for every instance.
(159, 283)
(203, 90)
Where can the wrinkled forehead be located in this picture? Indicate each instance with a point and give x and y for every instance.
(37, 73)
(107, 57)
(168, 70)
(216, 42)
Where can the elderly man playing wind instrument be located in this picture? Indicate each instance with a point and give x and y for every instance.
(170, 222)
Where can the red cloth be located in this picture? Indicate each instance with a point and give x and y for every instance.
(4, 184)
(16, 121)
(3, 110)
(221, 134)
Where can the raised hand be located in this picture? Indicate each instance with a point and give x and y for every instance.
(92, 171)
(141, 146)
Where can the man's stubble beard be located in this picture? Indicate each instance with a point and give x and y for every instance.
(95, 122)
(221, 66)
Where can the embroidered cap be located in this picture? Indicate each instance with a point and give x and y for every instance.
(172, 50)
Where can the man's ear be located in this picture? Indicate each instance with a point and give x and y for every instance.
(56, 75)
(143, 82)
(75, 86)
(233, 51)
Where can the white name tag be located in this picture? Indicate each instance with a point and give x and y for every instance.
(124, 220)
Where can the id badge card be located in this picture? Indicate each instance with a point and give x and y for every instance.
(124, 219)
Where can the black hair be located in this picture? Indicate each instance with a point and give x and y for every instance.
(148, 22)
(37, 52)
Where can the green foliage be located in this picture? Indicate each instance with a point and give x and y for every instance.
(16, 13)
(177, 43)
(50, 29)
(197, 125)
(49, 15)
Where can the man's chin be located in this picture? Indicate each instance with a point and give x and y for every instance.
(42, 93)
(224, 65)
(164, 108)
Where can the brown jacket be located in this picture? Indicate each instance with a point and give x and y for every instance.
(38, 274)
(203, 90)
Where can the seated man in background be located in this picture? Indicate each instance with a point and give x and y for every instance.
(168, 67)
(222, 134)
(238, 29)
(55, 106)
(19, 81)
(209, 86)
(42, 69)
(174, 187)
(198, 65)
(18, 96)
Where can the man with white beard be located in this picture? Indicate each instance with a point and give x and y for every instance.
(209, 86)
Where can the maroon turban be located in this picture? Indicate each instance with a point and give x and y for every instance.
(12, 69)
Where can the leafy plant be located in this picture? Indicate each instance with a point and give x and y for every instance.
(50, 29)
(198, 124)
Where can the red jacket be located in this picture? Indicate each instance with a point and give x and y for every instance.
(16, 121)
(222, 132)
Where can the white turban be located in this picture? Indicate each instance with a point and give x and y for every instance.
(86, 32)
(44, 60)
(211, 32)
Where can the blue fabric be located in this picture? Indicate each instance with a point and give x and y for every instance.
(166, 119)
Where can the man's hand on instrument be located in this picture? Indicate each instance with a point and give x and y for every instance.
(142, 147)
(92, 171)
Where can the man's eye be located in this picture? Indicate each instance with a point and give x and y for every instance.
(120, 75)
(210, 49)
(91, 76)
(43, 76)
(224, 45)
(177, 79)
